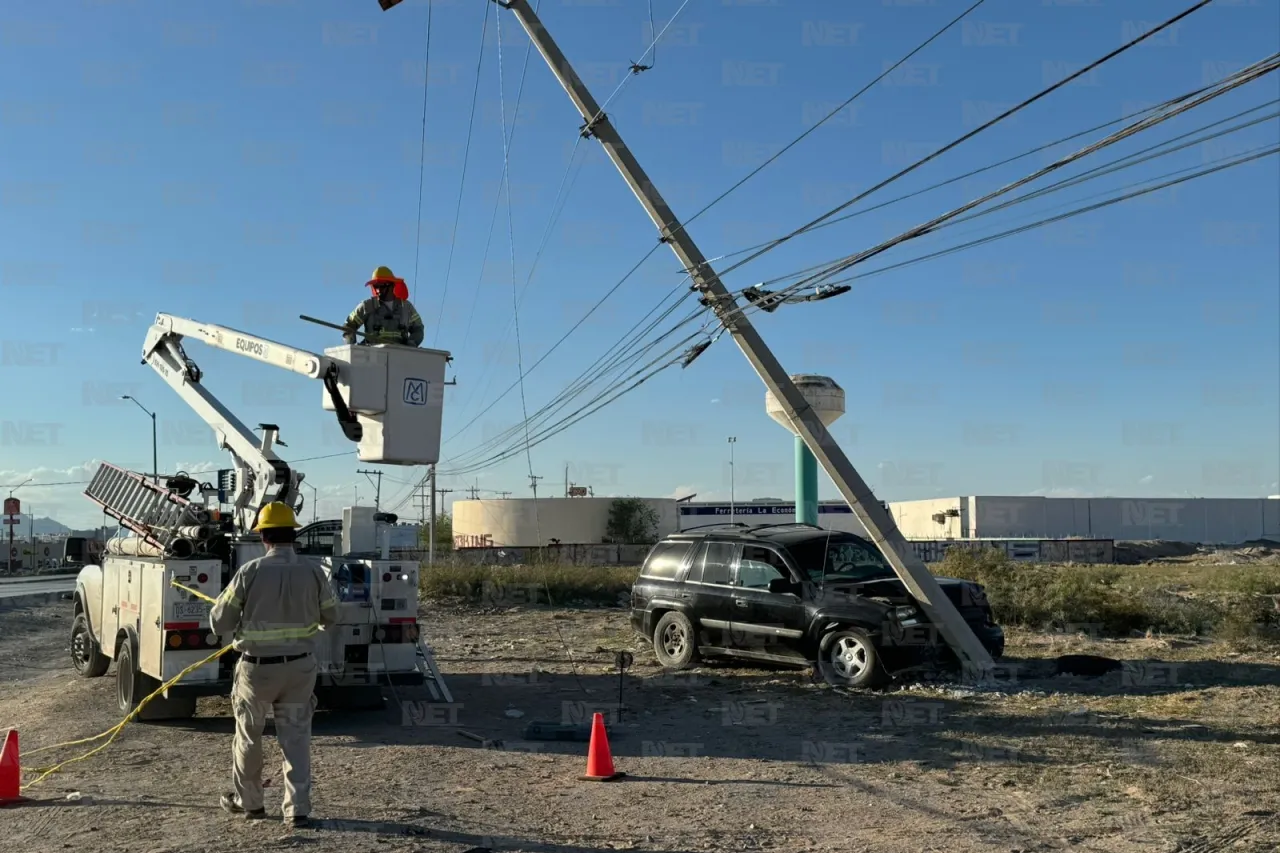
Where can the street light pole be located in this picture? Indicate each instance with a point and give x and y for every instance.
(732, 441)
(155, 464)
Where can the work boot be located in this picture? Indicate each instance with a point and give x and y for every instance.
(231, 803)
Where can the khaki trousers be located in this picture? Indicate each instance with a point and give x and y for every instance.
(288, 691)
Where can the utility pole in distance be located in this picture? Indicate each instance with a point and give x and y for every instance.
(877, 521)
(431, 521)
(377, 495)
(533, 484)
(442, 493)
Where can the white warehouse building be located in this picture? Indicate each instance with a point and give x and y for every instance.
(523, 523)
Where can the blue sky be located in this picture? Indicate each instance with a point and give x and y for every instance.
(245, 162)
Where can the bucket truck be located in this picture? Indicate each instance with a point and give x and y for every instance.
(388, 400)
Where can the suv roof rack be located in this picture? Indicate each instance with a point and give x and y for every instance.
(714, 524)
(791, 524)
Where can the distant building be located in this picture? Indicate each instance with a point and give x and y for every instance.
(517, 522)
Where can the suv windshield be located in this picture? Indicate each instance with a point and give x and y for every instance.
(840, 557)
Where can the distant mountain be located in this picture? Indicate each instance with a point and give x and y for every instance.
(43, 527)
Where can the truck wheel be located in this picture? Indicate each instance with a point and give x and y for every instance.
(133, 685)
(674, 641)
(848, 658)
(86, 654)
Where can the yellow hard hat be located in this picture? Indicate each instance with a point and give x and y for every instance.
(383, 274)
(276, 514)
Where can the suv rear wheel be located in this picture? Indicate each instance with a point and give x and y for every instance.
(848, 658)
(674, 643)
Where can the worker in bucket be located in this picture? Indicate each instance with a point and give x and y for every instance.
(272, 609)
(388, 317)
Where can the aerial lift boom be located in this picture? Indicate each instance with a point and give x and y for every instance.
(145, 606)
(386, 398)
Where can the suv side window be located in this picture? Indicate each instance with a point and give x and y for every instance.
(665, 560)
(717, 563)
(759, 565)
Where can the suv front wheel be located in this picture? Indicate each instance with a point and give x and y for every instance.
(674, 642)
(848, 658)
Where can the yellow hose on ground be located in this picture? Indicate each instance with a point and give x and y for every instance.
(115, 730)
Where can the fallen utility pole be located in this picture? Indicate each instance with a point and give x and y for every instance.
(874, 517)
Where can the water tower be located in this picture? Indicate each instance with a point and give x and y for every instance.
(826, 398)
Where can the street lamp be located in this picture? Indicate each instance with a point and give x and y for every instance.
(155, 465)
(732, 441)
(315, 499)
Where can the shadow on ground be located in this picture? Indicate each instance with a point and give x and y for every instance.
(789, 718)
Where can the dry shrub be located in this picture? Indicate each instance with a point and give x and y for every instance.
(1112, 599)
(514, 586)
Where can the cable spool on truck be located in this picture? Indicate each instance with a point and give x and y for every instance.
(388, 399)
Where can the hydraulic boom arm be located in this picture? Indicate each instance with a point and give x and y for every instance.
(262, 476)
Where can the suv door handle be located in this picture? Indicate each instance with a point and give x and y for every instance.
(741, 602)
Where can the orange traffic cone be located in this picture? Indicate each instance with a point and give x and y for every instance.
(10, 771)
(599, 759)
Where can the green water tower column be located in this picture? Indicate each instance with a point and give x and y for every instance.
(806, 484)
(827, 399)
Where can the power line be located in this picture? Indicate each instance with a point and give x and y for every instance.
(422, 152)
(580, 386)
(967, 136)
(515, 293)
(834, 112)
(978, 171)
(557, 207)
(1128, 161)
(636, 67)
(636, 379)
(727, 192)
(1256, 154)
(466, 156)
(1247, 75)
(582, 413)
(502, 179)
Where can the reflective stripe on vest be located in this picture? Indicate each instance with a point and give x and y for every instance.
(277, 634)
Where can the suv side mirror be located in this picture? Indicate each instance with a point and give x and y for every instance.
(782, 586)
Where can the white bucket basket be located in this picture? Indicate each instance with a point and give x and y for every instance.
(397, 394)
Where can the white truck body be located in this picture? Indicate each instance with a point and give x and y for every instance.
(132, 600)
(388, 401)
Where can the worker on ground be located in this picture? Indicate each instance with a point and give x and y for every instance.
(388, 317)
(272, 610)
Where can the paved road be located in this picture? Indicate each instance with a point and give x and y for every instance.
(10, 589)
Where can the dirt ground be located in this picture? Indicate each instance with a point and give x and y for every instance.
(1180, 753)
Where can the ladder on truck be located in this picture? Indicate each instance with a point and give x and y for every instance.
(148, 509)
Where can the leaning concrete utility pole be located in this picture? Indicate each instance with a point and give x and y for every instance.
(874, 517)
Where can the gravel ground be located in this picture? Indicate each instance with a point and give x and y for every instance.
(1178, 756)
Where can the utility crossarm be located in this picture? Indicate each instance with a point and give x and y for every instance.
(262, 475)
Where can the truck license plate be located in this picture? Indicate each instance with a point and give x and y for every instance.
(191, 610)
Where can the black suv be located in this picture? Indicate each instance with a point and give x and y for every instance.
(795, 594)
